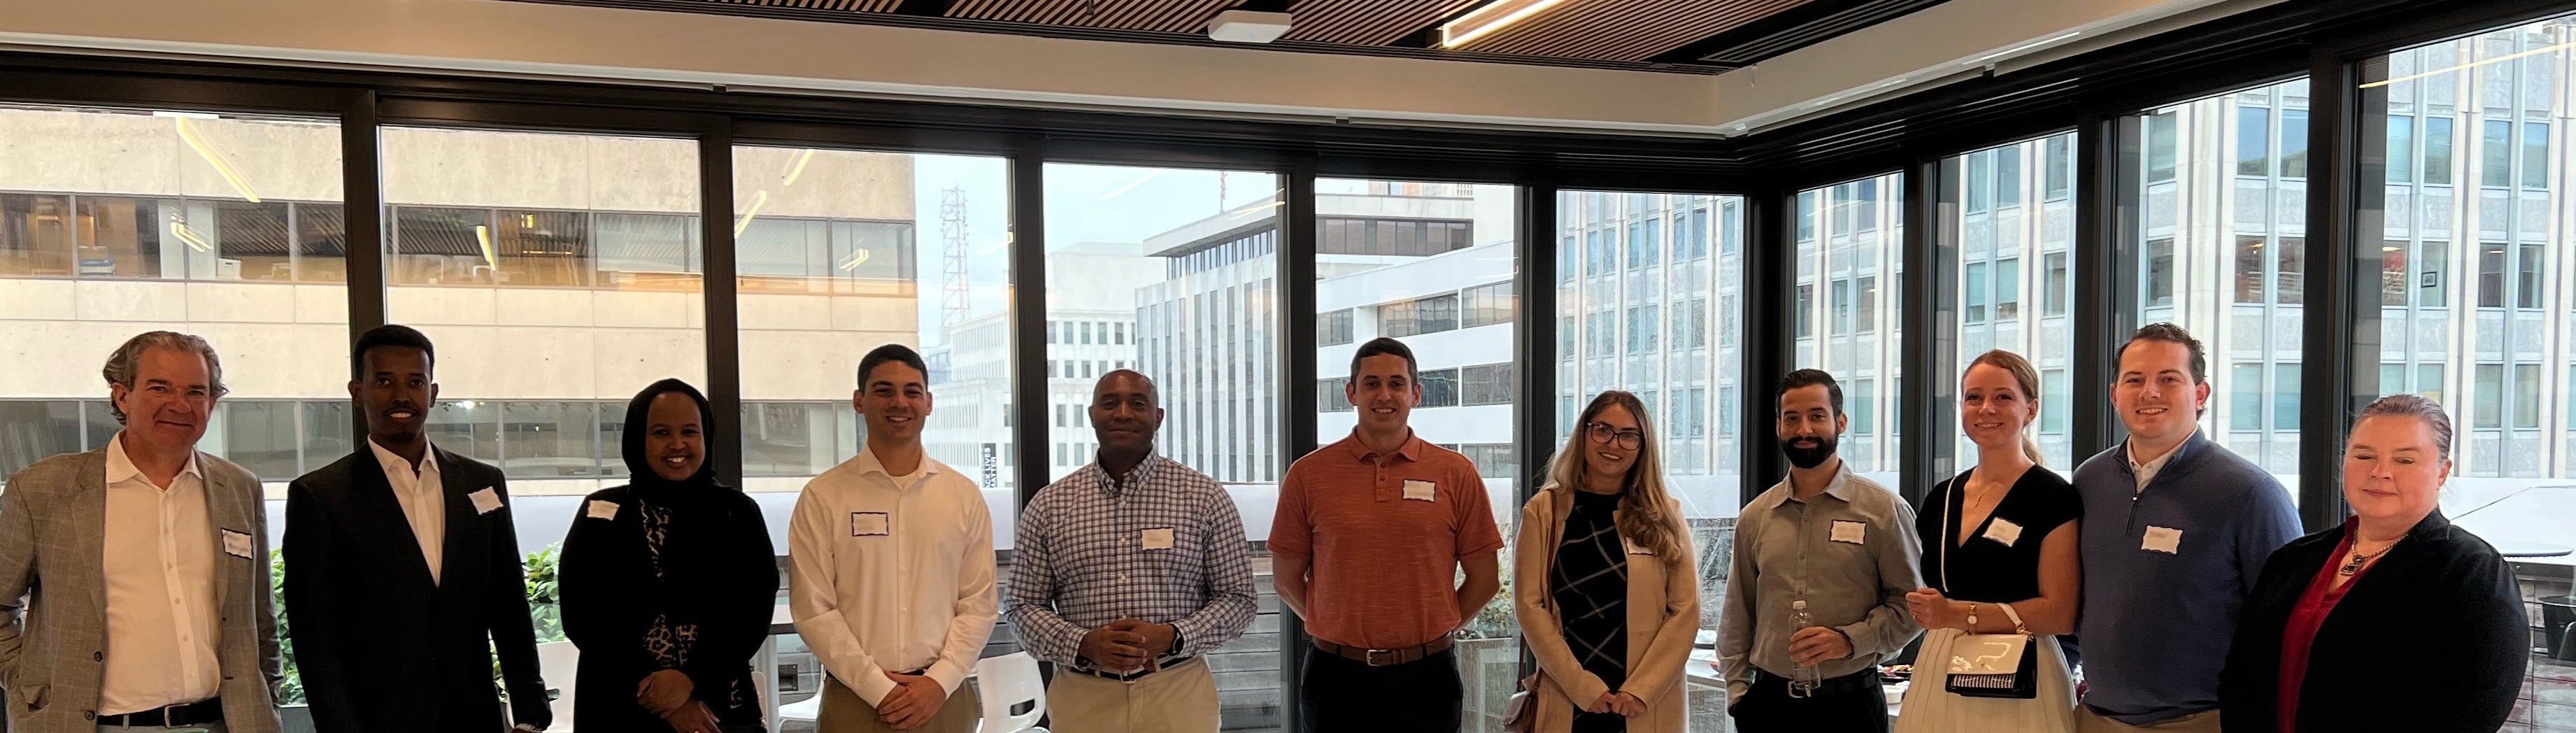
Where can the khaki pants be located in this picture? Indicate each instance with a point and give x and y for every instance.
(844, 712)
(1179, 699)
(2087, 721)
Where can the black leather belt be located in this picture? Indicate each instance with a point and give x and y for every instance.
(209, 710)
(1131, 676)
(1862, 681)
(1384, 657)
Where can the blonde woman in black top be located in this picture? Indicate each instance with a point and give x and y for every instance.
(1999, 555)
(1602, 578)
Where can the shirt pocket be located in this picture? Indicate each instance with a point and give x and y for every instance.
(1187, 555)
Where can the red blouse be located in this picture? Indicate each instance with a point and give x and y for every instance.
(2300, 633)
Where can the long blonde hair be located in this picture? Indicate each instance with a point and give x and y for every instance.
(2027, 378)
(1645, 509)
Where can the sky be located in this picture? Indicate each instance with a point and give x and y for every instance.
(1084, 203)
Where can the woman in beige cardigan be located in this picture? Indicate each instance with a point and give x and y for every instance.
(1607, 595)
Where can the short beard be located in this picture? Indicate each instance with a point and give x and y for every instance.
(1809, 457)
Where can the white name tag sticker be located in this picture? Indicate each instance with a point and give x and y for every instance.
(600, 509)
(2166, 540)
(1846, 530)
(2004, 532)
(1634, 548)
(237, 543)
(485, 501)
(1419, 490)
(1158, 538)
(871, 524)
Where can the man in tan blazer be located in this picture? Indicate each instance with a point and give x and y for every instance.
(141, 567)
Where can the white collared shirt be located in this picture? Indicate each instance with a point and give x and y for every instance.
(423, 497)
(159, 564)
(892, 573)
(2147, 471)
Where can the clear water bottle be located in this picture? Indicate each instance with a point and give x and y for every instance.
(1804, 679)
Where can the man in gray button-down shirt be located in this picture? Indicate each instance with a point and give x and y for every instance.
(1843, 545)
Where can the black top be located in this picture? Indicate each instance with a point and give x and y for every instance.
(2433, 638)
(1589, 582)
(1986, 569)
(680, 575)
(382, 647)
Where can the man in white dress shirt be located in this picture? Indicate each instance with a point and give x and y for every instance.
(891, 560)
(143, 566)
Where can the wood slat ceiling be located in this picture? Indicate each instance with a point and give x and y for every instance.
(1687, 36)
(1624, 30)
(1370, 22)
(861, 6)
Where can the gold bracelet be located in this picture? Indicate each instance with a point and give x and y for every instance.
(1972, 617)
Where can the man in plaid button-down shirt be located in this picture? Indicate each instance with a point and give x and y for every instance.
(1127, 573)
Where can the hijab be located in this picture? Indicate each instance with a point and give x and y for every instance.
(639, 467)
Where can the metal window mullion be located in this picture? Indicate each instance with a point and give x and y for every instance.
(722, 295)
(1295, 319)
(2338, 330)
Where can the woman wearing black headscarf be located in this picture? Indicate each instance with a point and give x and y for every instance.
(668, 582)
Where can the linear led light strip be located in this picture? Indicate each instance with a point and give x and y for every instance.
(198, 142)
(1492, 17)
(2470, 65)
(179, 229)
(761, 197)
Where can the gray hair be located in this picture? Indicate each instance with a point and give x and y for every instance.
(121, 365)
(2418, 407)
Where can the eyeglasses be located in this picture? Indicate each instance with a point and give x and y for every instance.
(1602, 433)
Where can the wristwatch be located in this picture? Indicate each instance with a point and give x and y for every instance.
(1972, 617)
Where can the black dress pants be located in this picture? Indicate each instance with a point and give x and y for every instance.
(1853, 703)
(1339, 695)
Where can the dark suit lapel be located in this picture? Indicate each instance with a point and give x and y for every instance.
(373, 496)
(465, 527)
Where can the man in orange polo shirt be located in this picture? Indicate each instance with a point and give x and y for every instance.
(1371, 533)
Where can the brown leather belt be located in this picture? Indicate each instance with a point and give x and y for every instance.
(1384, 657)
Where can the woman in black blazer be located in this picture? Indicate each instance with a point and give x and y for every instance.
(2397, 620)
(668, 582)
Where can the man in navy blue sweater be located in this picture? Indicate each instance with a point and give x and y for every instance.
(2175, 530)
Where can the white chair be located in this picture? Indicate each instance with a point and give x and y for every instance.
(760, 685)
(1006, 682)
(804, 710)
(558, 662)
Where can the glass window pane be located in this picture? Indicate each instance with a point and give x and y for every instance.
(1442, 304)
(2285, 397)
(2401, 150)
(2294, 143)
(1700, 380)
(827, 268)
(1989, 252)
(1188, 260)
(2253, 141)
(118, 221)
(2226, 272)
(2437, 150)
(2526, 396)
(1847, 254)
(2496, 146)
(2491, 275)
(2489, 407)
(538, 246)
(2535, 155)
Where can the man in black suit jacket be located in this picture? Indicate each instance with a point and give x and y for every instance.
(402, 570)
